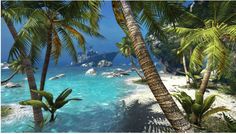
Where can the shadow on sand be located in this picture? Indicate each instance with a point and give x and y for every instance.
(140, 118)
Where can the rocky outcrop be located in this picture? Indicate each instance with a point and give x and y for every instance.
(104, 63)
(4, 65)
(12, 85)
(57, 77)
(91, 71)
(90, 64)
(116, 73)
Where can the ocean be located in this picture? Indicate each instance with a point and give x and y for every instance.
(100, 110)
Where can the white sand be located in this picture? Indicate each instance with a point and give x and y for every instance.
(144, 95)
(18, 113)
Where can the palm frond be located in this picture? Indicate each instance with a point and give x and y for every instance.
(68, 44)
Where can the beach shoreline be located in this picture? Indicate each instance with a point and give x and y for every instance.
(173, 83)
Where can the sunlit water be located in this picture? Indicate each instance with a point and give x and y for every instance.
(99, 111)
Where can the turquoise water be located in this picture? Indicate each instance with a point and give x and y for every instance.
(99, 111)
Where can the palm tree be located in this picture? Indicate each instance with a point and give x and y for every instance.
(166, 102)
(127, 50)
(64, 20)
(9, 13)
(209, 39)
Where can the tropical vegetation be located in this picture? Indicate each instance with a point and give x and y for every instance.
(50, 105)
(197, 41)
(199, 108)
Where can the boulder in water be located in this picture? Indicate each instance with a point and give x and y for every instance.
(4, 65)
(91, 71)
(104, 63)
(12, 85)
(84, 65)
(57, 77)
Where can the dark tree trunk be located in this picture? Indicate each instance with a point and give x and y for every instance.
(37, 112)
(163, 97)
(46, 59)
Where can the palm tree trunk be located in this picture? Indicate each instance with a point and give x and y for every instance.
(136, 70)
(46, 59)
(186, 70)
(205, 80)
(163, 97)
(37, 112)
(12, 75)
(12, 29)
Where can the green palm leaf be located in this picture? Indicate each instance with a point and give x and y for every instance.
(48, 96)
(214, 110)
(35, 103)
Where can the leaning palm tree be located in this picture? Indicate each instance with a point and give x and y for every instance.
(126, 20)
(10, 13)
(127, 50)
(63, 22)
(209, 39)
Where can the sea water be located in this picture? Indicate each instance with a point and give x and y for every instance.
(99, 111)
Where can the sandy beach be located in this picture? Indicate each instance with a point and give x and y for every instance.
(144, 96)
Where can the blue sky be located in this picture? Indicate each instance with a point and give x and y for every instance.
(108, 28)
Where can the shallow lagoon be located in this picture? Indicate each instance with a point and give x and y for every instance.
(99, 111)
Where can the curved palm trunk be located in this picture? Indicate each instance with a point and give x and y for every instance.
(186, 70)
(136, 70)
(205, 80)
(163, 97)
(46, 60)
(12, 75)
(37, 112)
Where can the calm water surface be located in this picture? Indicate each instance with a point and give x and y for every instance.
(99, 111)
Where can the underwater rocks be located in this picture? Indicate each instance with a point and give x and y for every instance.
(57, 77)
(91, 71)
(12, 85)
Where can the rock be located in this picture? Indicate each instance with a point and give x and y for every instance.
(161, 72)
(91, 71)
(84, 65)
(117, 73)
(4, 65)
(119, 69)
(12, 85)
(107, 73)
(91, 64)
(57, 77)
(104, 63)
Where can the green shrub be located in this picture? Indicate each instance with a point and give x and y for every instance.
(50, 105)
(198, 109)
